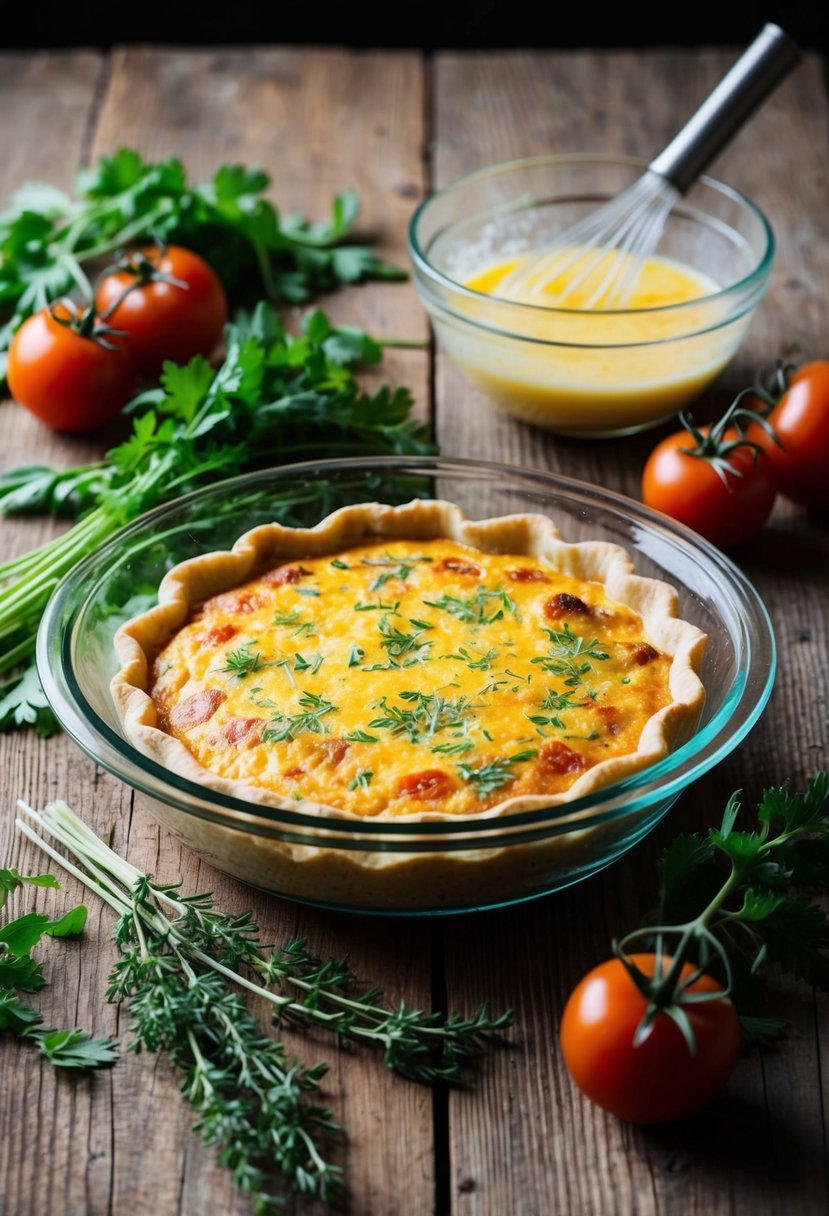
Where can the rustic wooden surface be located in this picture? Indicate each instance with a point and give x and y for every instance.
(522, 1142)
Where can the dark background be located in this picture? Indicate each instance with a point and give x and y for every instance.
(428, 24)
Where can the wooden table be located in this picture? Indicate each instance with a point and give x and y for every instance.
(522, 1142)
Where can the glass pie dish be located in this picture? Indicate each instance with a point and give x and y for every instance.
(402, 866)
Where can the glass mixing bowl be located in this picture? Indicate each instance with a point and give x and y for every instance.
(395, 866)
(583, 372)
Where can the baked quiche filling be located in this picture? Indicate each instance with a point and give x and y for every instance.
(407, 676)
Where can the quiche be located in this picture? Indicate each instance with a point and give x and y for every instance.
(408, 661)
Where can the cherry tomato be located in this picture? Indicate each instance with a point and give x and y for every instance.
(172, 305)
(72, 380)
(658, 1080)
(725, 509)
(801, 422)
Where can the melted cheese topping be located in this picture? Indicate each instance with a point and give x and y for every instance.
(410, 676)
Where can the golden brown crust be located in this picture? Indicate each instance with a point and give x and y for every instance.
(193, 581)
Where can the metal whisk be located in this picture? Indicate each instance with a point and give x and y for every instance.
(601, 256)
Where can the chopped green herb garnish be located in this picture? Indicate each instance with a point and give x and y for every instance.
(473, 611)
(312, 665)
(388, 559)
(380, 606)
(454, 749)
(338, 565)
(305, 629)
(547, 720)
(287, 726)
(431, 713)
(397, 643)
(486, 778)
(361, 736)
(243, 662)
(286, 618)
(306, 590)
(355, 656)
(571, 656)
(483, 663)
(362, 780)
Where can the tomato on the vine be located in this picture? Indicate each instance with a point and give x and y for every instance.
(720, 486)
(72, 373)
(169, 302)
(800, 420)
(659, 1079)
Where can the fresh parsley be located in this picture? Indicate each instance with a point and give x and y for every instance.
(276, 397)
(47, 236)
(20, 972)
(737, 898)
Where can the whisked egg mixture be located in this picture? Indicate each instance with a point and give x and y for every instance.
(608, 370)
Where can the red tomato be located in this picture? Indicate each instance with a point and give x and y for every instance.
(164, 319)
(725, 510)
(801, 422)
(71, 381)
(659, 1080)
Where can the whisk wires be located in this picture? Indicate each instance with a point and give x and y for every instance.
(596, 263)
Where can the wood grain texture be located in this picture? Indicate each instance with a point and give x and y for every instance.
(121, 1142)
(522, 1141)
(541, 1150)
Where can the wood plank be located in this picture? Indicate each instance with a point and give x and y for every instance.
(320, 121)
(47, 106)
(540, 1148)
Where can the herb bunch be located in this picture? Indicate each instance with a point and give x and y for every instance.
(757, 908)
(276, 397)
(21, 973)
(47, 236)
(180, 967)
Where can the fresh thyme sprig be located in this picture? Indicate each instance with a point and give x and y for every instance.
(759, 912)
(424, 1047)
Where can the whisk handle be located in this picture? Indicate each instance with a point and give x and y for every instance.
(761, 66)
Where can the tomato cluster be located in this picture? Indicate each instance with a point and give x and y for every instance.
(722, 480)
(76, 369)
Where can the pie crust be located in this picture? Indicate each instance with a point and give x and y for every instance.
(196, 580)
